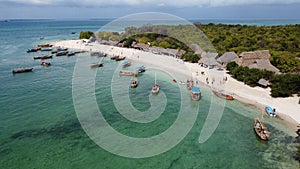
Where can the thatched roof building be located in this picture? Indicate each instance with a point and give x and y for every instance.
(209, 59)
(140, 46)
(227, 57)
(257, 59)
(169, 52)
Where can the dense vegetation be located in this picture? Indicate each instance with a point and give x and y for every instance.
(86, 35)
(282, 85)
(282, 41)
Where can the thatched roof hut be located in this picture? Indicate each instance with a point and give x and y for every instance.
(257, 59)
(227, 57)
(169, 52)
(140, 46)
(209, 59)
(263, 83)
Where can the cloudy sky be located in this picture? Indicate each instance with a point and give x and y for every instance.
(189, 9)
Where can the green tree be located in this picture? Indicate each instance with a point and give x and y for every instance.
(86, 35)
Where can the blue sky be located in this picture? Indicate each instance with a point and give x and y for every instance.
(189, 9)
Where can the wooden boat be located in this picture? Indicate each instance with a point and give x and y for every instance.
(156, 87)
(126, 64)
(189, 84)
(44, 45)
(270, 111)
(99, 54)
(95, 65)
(223, 95)
(120, 58)
(22, 70)
(195, 93)
(43, 57)
(59, 50)
(80, 51)
(46, 49)
(260, 130)
(32, 50)
(70, 53)
(45, 63)
(114, 57)
(126, 73)
(141, 69)
(61, 53)
(134, 83)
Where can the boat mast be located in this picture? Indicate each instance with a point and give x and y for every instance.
(155, 78)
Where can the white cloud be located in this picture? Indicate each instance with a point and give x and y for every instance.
(170, 3)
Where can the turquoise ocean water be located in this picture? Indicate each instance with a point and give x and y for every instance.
(39, 127)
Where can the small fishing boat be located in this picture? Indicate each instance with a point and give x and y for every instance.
(222, 95)
(260, 130)
(44, 45)
(141, 69)
(61, 53)
(120, 58)
(43, 57)
(270, 111)
(126, 64)
(22, 70)
(195, 93)
(114, 57)
(80, 51)
(73, 32)
(95, 65)
(99, 54)
(55, 50)
(32, 50)
(174, 80)
(46, 49)
(45, 63)
(70, 53)
(181, 82)
(156, 87)
(126, 73)
(134, 83)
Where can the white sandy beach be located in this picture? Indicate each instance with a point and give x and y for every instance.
(287, 108)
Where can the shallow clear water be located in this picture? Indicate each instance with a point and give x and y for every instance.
(39, 127)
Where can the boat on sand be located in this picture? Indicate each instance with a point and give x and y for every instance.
(270, 111)
(223, 95)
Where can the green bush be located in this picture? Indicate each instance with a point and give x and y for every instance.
(86, 35)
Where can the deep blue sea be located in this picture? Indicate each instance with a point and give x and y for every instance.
(39, 127)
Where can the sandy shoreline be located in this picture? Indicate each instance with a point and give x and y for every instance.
(287, 109)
